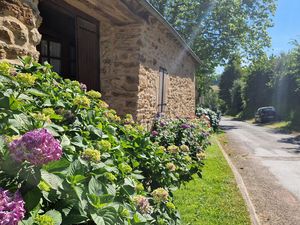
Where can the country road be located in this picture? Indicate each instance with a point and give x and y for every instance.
(269, 163)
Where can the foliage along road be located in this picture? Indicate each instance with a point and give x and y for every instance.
(269, 163)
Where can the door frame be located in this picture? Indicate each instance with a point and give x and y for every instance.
(66, 8)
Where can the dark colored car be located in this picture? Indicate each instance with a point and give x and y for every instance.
(265, 114)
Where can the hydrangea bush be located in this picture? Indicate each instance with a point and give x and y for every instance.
(211, 116)
(66, 158)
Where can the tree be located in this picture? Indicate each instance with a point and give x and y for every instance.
(236, 97)
(218, 29)
(258, 91)
(231, 73)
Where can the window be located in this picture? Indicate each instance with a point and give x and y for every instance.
(162, 93)
(70, 42)
(51, 52)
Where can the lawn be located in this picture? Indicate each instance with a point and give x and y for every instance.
(215, 199)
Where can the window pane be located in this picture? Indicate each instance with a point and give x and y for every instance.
(55, 49)
(44, 48)
(43, 59)
(56, 65)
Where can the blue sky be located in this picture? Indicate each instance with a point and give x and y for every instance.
(286, 25)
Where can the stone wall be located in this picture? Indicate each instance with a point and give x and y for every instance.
(131, 52)
(19, 20)
(120, 67)
(160, 49)
(119, 63)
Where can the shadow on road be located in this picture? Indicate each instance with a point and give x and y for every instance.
(226, 127)
(291, 140)
(294, 141)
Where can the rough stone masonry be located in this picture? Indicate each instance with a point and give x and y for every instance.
(131, 55)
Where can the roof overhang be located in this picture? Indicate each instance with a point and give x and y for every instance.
(178, 37)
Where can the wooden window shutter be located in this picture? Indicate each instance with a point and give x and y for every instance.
(88, 52)
(165, 90)
(162, 90)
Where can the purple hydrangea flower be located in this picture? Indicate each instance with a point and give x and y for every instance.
(185, 126)
(37, 147)
(154, 133)
(162, 123)
(83, 87)
(11, 207)
(142, 204)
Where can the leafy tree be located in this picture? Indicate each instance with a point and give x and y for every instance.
(287, 85)
(231, 73)
(236, 97)
(216, 30)
(258, 91)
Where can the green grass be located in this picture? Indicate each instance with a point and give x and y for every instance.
(281, 125)
(284, 126)
(215, 199)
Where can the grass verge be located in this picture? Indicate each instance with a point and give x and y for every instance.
(214, 199)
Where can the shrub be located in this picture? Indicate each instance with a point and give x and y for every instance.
(73, 160)
(182, 139)
(212, 116)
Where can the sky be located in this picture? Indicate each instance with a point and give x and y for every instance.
(286, 26)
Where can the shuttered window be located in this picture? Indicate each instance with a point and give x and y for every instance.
(162, 90)
(88, 53)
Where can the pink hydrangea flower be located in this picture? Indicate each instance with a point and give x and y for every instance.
(37, 147)
(142, 204)
(185, 126)
(154, 133)
(11, 208)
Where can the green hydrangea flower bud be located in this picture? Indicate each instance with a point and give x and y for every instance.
(125, 213)
(110, 177)
(170, 206)
(91, 155)
(171, 167)
(184, 148)
(82, 101)
(5, 68)
(173, 149)
(139, 187)
(125, 168)
(160, 195)
(44, 186)
(25, 79)
(44, 220)
(104, 145)
(93, 94)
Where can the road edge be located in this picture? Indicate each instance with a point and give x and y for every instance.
(241, 185)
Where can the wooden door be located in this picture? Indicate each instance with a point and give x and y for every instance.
(87, 42)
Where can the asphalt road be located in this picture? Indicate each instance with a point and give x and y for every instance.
(269, 163)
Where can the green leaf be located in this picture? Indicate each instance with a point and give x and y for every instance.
(97, 219)
(107, 216)
(56, 216)
(36, 92)
(74, 180)
(57, 166)
(32, 199)
(47, 103)
(65, 141)
(53, 180)
(96, 187)
(4, 102)
(94, 200)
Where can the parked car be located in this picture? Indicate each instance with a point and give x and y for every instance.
(265, 114)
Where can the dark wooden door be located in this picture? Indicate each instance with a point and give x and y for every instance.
(87, 42)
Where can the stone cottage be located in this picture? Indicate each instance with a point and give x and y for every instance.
(124, 48)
